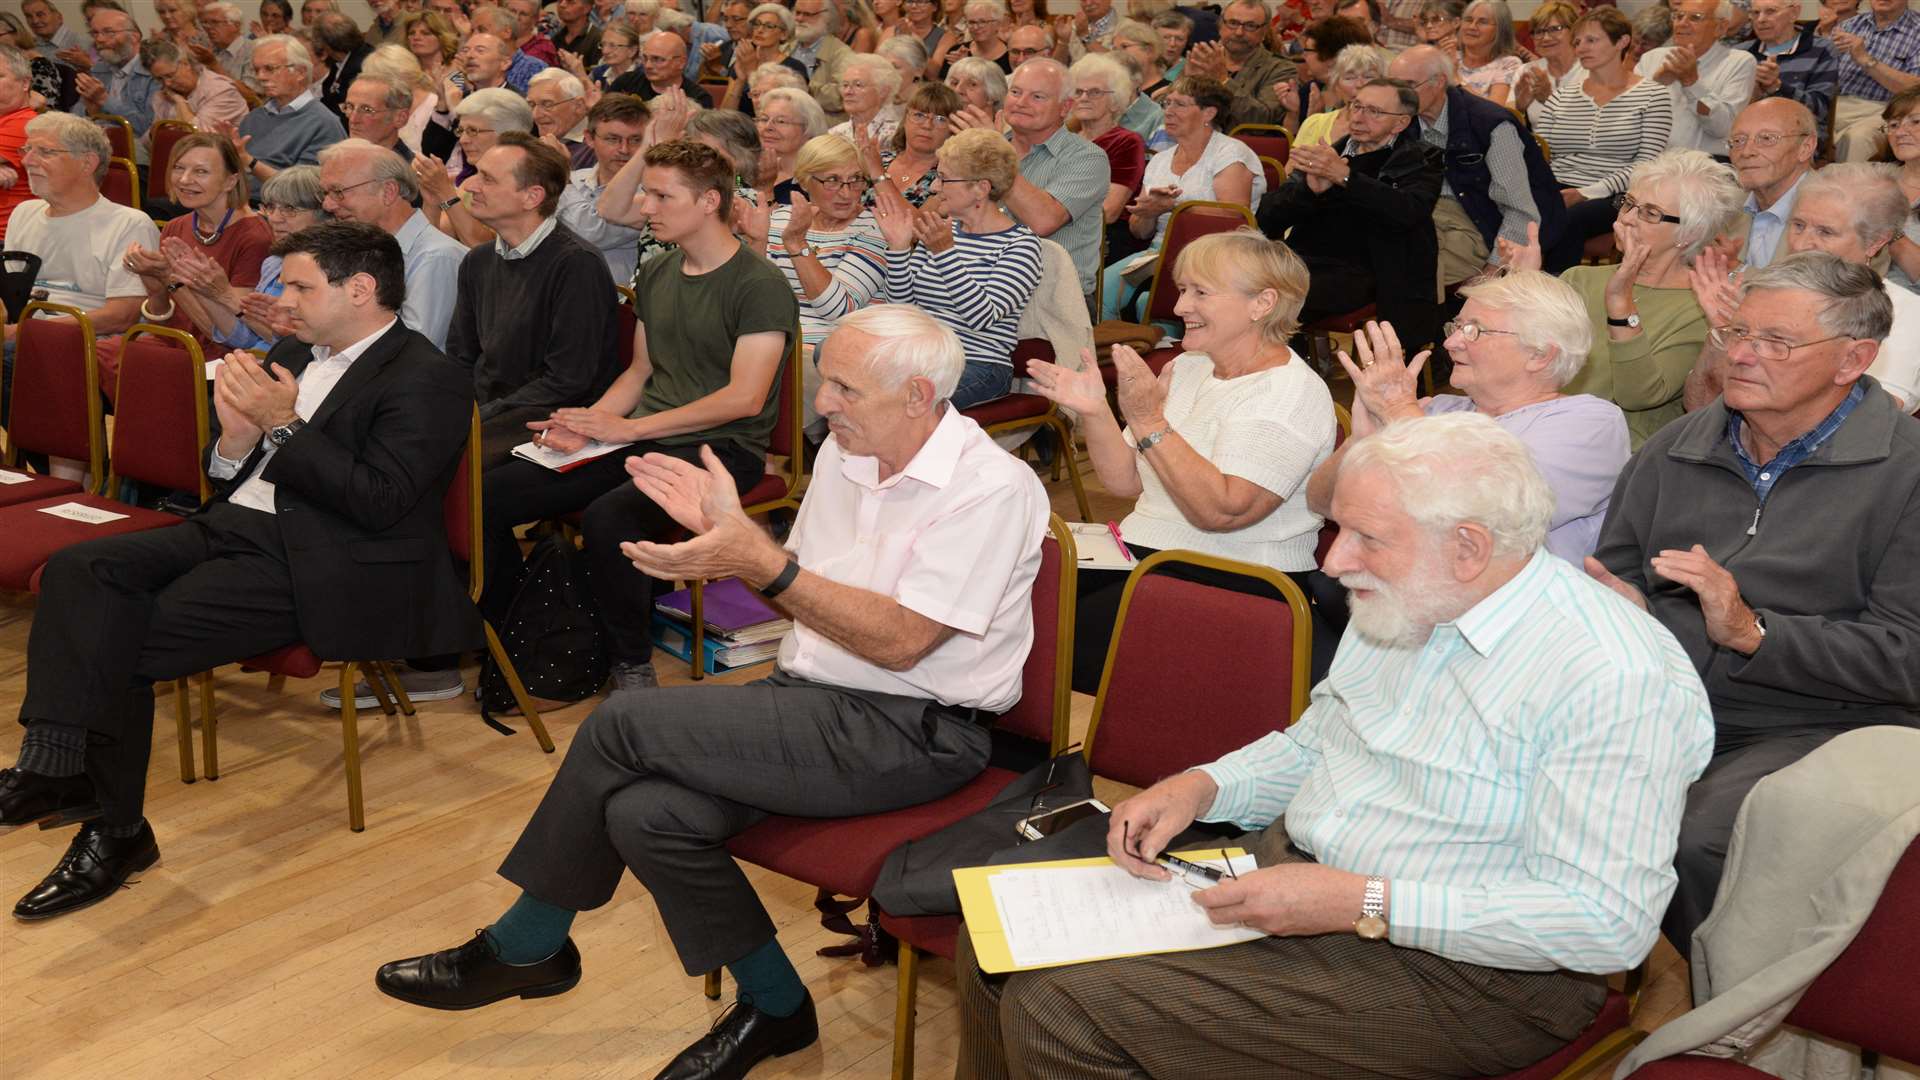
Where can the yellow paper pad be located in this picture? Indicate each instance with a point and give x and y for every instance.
(991, 945)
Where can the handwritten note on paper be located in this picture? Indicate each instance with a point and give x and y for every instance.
(87, 515)
(1066, 915)
(9, 477)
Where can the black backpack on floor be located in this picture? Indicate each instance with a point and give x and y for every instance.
(551, 633)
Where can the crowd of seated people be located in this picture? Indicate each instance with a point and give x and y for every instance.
(1666, 466)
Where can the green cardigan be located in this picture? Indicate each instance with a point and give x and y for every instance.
(1645, 374)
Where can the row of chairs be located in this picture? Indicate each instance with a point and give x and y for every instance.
(122, 182)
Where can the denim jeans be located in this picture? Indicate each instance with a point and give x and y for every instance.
(981, 382)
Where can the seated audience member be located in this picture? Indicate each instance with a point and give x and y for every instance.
(1216, 450)
(819, 49)
(188, 92)
(229, 46)
(374, 185)
(534, 317)
(1063, 178)
(1480, 876)
(1496, 182)
(205, 181)
(395, 66)
(1100, 85)
(1361, 213)
(357, 425)
(1175, 30)
(1878, 57)
(874, 706)
(975, 273)
(1137, 112)
(867, 86)
(1518, 340)
(486, 60)
(1652, 29)
(1780, 552)
(824, 242)
(909, 58)
(1772, 144)
(788, 119)
(377, 107)
(1489, 53)
(576, 33)
(730, 133)
(523, 33)
(1148, 49)
(1241, 60)
(619, 54)
(1709, 81)
(16, 110)
(1551, 28)
(663, 62)
(119, 84)
(987, 24)
(981, 86)
(343, 49)
(291, 126)
(1600, 130)
(51, 34)
(559, 103)
(1791, 62)
(1203, 164)
(239, 318)
(715, 325)
(485, 117)
(81, 237)
(1356, 66)
(906, 164)
(769, 45)
(1322, 42)
(616, 128)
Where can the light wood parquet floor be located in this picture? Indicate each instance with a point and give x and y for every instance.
(249, 952)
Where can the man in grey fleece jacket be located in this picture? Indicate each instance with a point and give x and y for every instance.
(1776, 532)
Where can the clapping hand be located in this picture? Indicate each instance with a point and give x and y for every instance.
(150, 265)
(1322, 166)
(592, 423)
(896, 223)
(1853, 45)
(195, 269)
(1520, 256)
(244, 388)
(75, 57)
(1729, 621)
(1534, 84)
(869, 150)
(973, 116)
(1287, 92)
(1716, 290)
(1142, 396)
(800, 215)
(574, 63)
(1153, 202)
(1682, 66)
(702, 498)
(435, 184)
(262, 312)
(1207, 59)
(1083, 392)
(1385, 386)
(933, 229)
(91, 90)
(1766, 77)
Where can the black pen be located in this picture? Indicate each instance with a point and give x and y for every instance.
(1172, 862)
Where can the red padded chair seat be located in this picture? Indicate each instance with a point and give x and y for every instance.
(1343, 324)
(39, 487)
(33, 537)
(936, 934)
(770, 487)
(294, 661)
(844, 854)
(1613, 1015)
(1690, 1067)
(1011, 407)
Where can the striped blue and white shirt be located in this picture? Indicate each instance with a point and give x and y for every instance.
(1519, 777)
(978, 287)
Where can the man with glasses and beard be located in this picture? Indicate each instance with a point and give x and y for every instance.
(1242, 60)
(119, 85)
(1472, 823)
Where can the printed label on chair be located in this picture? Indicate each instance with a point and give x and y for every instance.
(88, 515)
(7, 477)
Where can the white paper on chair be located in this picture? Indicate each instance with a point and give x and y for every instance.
(1065, 915)
(8, 476)
(86, 515)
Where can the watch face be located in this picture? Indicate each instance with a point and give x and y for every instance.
(1371, 927)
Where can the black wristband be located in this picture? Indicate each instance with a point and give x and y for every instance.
(785, 578)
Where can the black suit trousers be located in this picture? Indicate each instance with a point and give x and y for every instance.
(120, 614)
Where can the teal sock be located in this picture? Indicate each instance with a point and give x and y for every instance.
(767, 980)
(530, 931)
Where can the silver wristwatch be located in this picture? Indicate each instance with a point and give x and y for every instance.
(279, 435)
(1148, 442)
(1372, 923)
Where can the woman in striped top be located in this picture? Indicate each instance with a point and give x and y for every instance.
(975, 273)
(1601, 129)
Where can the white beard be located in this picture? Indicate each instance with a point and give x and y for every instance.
(1401, 616)
(810, 33)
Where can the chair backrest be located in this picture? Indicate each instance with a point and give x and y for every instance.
(1329, 531)
(1870, 996)
(56, 389)
(119, 132)
(160, 417)
(1195, 671)
(1190, 222)
(1274, 172)
(1266, 140)
(461, 509)
(1046, 682)
(122, 183)
(1027, 350)
(629, 323)
(164, 134)
(788, 439)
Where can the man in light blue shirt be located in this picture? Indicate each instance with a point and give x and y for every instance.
(119, 84)
(364, 182)
(1473, 820)
(1772, 147)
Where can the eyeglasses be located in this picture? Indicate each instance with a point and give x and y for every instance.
(1553, 28)
(287, 208)
(338, 193)
(1178, 103)
(1036, 807)
(1910, 120)
(777, 121)
(1091, 92)
(621, 142)
(31, 150)
(547, 106)
(935, 119)
(261, 71)
(1242, 25)
(1368, 111)
(942, 178)
(814, 14)
(1444, 20)
(1469, 330)
(840, 183)
(854, 86)
(351, 109)
(465, 130)
(1725, 338)
(978, 23)
(1646, 212)
(1765, 140)
(1693, 17)
(768, 24)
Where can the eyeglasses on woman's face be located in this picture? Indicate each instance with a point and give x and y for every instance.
(1470, 331)
(1646, 212)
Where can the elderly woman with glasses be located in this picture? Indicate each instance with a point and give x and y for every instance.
(1900, 125)
(971, 266)
(1648, 324)
(1551, 28)
(867, 86)
(1489, 53)
(1519, 340)
(986, 23)
(1102, 90)
(1352, 69)
(787, 120)
(770, 40)
(235, 316)
(1203, 164)
(482, 117)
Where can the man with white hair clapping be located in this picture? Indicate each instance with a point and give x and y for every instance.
(1473, 820)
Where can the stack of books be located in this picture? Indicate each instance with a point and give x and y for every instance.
(741, 629)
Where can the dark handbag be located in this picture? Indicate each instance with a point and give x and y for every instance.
(551, 633)
(917, 878)
(18, 272)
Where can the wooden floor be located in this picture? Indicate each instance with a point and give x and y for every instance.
(249, 951)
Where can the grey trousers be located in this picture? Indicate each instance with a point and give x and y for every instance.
(1330, 1006)
(657, 780)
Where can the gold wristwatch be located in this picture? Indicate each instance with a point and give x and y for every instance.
(1372, 923)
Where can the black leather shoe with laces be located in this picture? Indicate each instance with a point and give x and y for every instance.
(472, 975)
(28, 798)
(741, 1038)
(94, 868)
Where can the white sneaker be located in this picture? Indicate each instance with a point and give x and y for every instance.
(419, 685)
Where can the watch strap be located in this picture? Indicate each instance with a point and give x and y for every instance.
(781, 580)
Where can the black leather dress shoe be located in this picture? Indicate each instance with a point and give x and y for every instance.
(473, 975)
(742, 1038)
(94, 868)
(51, 801)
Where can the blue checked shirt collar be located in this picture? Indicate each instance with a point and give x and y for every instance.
(1764, 476)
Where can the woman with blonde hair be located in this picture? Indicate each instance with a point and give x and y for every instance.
(971, 266)
(1551, 28)
(1217, 448)
(432, 42)
(1144, 44)
(908, 169)
(1352, 69)
(860, 27)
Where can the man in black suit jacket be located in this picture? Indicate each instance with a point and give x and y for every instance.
(326, 528)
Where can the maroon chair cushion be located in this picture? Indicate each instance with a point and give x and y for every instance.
(1869, 996)
(1032, 717)
(455, 510)
(40, 487)
(33, 537)
(844, 854)
(768, 488)
(1183, 229)
(1268, 144)
(1158, 359)
(1690, 1067)
(936, 934)
(50, 389)
(1613, 1016)
(294, 661)
(155, 436)
(1011, 407)
(1343, 324)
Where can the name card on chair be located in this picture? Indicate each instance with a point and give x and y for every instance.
(86, 515)
(9, 477)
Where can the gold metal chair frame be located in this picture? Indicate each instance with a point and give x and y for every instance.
(133, 180)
